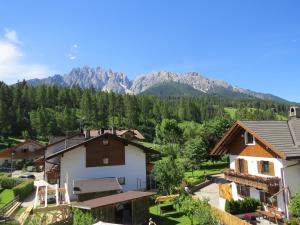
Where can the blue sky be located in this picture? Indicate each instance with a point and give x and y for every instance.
(252, 44)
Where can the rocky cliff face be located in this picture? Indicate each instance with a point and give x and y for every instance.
(107, 80)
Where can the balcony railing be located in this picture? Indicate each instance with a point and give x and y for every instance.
(268, 184)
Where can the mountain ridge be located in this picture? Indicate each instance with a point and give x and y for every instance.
(107, 80)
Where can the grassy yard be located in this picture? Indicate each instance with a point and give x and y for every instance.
(6, 196)
(208, 168)
(174, 218)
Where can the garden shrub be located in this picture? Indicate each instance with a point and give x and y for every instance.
(82, 218)
(9, 183)
(242, 206)
(23, 189)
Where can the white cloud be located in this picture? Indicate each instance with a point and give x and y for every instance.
(12, 36)
(12, 65)
(72, 55)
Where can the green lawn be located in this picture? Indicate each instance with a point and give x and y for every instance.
(231, 111)
(207, 168)
(174, 218)
(6, 196)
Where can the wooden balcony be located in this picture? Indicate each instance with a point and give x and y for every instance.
(268, 184)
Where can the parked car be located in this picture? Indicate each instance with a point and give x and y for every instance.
(27, 176)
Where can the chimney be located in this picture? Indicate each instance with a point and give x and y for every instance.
(102, 130)
(113, 130)
(294, 112)
(87, 134)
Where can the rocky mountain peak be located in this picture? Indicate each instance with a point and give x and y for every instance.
(108, 80)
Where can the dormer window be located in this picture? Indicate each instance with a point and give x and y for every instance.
(249, 139)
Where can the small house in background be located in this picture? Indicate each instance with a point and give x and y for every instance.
(131, 207)
(133, 135)
(104, 156)
(264, 161)
(28, 150)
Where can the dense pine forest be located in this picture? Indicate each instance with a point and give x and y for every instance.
(51, 110)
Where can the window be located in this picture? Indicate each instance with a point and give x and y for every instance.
(243, 191)
(241, 166)
(121, 180)
(105, 161)
(249, 139)
(265, 167)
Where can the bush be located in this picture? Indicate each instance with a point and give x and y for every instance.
(82, 218)
(295, 206)
(23, 189)
(9, 183)
(242, 206)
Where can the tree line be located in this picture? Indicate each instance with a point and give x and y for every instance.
(54, 110)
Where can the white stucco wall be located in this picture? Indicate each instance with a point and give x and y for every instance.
(292, 175)
(252, 169)
(252, 164)
(73, 166)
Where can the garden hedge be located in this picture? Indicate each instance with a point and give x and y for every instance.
(9, 183)
(24, 189)
(242, 206)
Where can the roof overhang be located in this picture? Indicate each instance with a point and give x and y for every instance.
(106, 135)
(112, 199)
(220, 148)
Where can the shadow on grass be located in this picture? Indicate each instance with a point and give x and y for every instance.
(166, 219)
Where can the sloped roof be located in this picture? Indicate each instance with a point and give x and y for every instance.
(112, 199)
(138, 135)
(278, 134)
(97, 185)
(125, 141)
(7, 151)
(281, 137)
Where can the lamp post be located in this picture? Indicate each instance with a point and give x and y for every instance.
(11, 165)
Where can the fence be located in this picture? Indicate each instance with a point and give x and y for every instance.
(227, 218)
(8, 206)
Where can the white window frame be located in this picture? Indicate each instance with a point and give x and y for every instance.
(246, 139)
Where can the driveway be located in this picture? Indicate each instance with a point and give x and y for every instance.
(211, 192)
(38, 176)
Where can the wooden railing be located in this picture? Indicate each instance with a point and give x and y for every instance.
(268, 184)
(227, 218)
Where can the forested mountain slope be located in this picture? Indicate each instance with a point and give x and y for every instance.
(55, 110)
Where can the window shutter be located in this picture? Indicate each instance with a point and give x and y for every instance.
(259, 165)
(271, 168)
(237, 166)
(245, 167)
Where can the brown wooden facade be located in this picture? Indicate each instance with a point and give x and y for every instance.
(139, 212)
(105, 151)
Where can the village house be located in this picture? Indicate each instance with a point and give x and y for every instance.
(133, 135)
(264, 161)
(27, 150)
(97, 166)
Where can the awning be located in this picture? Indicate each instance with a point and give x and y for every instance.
(112, 199)
(96, 185)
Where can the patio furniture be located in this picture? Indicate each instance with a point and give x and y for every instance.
(271, 214)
